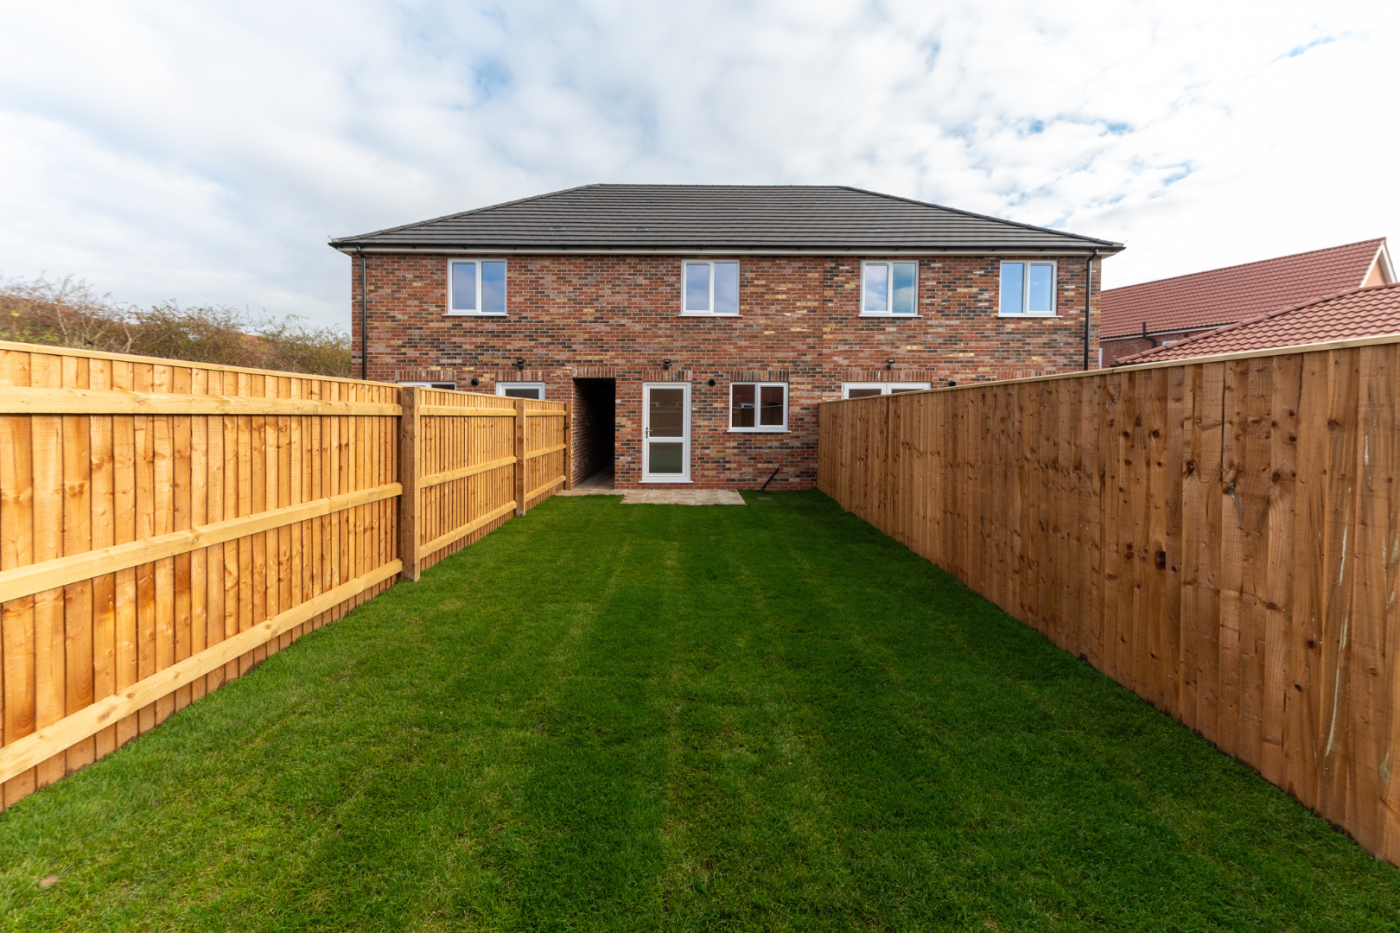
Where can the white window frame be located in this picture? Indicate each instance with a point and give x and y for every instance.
(510, 384)
(739, 273)
(1026, 288)
(479, 312)
(885, 387)
(758, 400)
(890, 263)
(444, 384)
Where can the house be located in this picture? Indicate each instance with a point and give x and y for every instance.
(1152, 314)
(1364, 312)
(696, 328)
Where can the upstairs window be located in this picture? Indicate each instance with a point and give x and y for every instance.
(476, 286)
(1028, 288)
(710, 288)
(889, 289)
(758, 406)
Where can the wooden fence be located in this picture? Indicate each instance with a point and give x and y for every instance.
(165, 526)
(470, 461)
(1221, 536)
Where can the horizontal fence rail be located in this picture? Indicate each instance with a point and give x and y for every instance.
(1220, 536)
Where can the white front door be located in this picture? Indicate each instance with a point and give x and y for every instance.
(666, 432)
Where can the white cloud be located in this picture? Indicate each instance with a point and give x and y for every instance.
(178, 150)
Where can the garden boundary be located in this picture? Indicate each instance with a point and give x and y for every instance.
(164, 526)
(1219, 535)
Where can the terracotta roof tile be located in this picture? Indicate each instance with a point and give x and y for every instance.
(1363, 312)
(1235, 293)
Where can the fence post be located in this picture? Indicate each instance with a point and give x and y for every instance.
(890, 484)
(408, 476)
(568, 445)
(520, 456)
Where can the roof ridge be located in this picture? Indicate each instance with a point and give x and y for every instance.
(1379, 241)
(1268, 315)
(1000, 220)
(475, 210)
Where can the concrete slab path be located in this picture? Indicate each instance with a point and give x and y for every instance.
(601, 484)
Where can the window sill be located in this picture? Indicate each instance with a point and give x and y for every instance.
(704, 314)
(893, 317)
(672, 482)
(759, 431)
(1024, 316)
(475, 314)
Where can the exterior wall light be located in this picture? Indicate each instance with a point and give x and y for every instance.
(520, 363)
(666, 364)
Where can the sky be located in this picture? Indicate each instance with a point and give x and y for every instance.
(206, 152)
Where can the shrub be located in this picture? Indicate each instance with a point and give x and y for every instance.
(68, 312)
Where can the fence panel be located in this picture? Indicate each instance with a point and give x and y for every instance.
(1221, 536)
(163, 527)
(469, 462)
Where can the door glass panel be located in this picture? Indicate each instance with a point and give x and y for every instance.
(895, 390)
(665, 458)
(771, 414)
(521, 393)
(743, 407)
(667, 414)
(861, 393)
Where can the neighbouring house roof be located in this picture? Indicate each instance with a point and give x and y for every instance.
(1364, 312)
(1238, 293)
(690, 218)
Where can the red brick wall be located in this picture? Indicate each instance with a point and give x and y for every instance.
(618, 316)
(1117, 348)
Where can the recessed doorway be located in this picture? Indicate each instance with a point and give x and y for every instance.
(595, 430)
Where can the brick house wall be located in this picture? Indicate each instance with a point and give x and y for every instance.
(1117, 348)
(589, 316)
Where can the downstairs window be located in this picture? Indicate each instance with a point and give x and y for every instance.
(758, 406)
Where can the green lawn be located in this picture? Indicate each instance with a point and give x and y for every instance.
(669, 717)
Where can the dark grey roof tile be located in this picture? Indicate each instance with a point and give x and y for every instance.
(741, 217)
